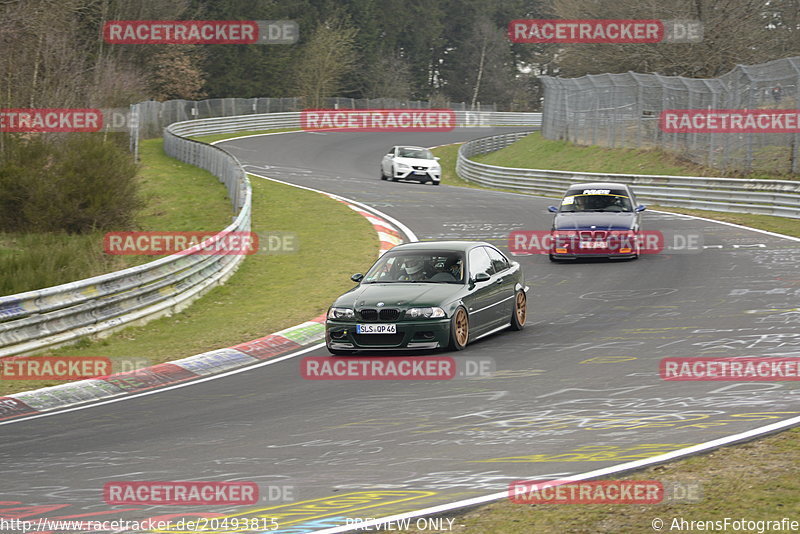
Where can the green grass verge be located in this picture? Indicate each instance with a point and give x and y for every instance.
(173, 191)
(267, 293)
(536, 152)
(179, 196)
(448, 155)
(35, 261)
(759, 480)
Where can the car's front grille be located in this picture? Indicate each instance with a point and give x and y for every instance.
(385, 314)
(369, 314)
(594, 234)
(378, 340)
(419, 168)
(389, 314)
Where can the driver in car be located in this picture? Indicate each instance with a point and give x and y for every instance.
(595, 203)
(414, 269)
(453, 266)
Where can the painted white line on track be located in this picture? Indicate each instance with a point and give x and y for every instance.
(272, 361)
(254, 135)
(637, 464)
(741, 226)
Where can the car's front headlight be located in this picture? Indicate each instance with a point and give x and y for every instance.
(435, 168)
(402, 167)
(341, 313)
(425, 313)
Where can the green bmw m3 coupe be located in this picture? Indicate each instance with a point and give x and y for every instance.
(429, 295)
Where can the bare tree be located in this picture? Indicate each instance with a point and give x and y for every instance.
(389, 77)
(492, 48)
(484, 68)
(325, 61)
(42, 60)
(53, 54)
(174, 74)
(735, 32)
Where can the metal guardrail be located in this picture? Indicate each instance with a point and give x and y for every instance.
(61, 314)
(765, 197)
(291, 119)
(154, 116)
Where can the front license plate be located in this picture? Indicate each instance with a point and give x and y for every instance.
(376, 329)
(420, 173)
(593, 244)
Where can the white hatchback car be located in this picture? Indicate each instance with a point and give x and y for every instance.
(411, 163)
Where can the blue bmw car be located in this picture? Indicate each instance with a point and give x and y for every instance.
(596, 220)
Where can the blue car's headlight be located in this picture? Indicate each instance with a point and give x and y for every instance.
(425, 313)
(341, 313)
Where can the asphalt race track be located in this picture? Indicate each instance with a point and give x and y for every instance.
(577, 390)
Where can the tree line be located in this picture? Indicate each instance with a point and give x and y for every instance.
(52, 55)
(458, 50)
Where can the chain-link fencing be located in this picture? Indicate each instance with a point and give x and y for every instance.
(623, 110)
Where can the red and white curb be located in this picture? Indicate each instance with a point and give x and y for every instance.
(49, 399)
(387, 234)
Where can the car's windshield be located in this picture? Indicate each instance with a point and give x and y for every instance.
(418, 153)
(442, 267)
(605, 200)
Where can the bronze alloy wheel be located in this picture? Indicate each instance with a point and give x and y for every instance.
(521, 308)
(520, 311)
(460, 329)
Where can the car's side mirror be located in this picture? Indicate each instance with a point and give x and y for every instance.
(437, 158)
(357, 277)
(481, 277)
(390, 154)
(641, 207)
(552, 209)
